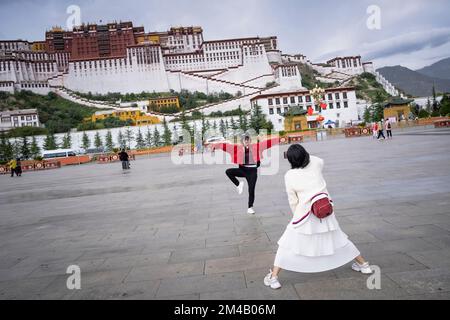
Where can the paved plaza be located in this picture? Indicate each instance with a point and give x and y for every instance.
(182, 232)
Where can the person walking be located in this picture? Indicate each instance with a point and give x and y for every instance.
(123, 156)
(381, 132)
(248, 157)
(375, 130)
(388, 127)
(12, 166)
(311, 244)
(18, 167)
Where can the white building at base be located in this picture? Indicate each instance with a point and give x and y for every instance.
(341, 106)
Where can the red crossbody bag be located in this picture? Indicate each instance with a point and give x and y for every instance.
(321, 208)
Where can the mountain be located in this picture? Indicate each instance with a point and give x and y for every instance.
(440, 69)
(414, 83)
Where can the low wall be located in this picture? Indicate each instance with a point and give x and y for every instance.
(33, 166)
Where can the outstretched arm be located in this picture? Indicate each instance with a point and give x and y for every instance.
(267, 144)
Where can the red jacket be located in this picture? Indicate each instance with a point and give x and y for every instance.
(237, 151)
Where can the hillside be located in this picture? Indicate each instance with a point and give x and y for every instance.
(368, 88)
(413, 82)
(57, 114)
(440, 70)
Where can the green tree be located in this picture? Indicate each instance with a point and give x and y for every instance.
(435, 102)
(6, 149)
(156, 138)
(67, 141)
(148, 138)
(50, 142)
(214, 126)
(25, 148)
(98, 143)
(35, 151)
(167, 134)
(17, 149)
(429, 108)
(258, 120)
(129, 137)
(445, 105)
(175, 137)
(85, 141)
(377, 112)
(223, 128)
(109, 144)
(367, 115)
(423, 113)
(140, 142)
(121, 140)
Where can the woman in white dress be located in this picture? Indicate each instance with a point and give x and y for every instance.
(310, 244)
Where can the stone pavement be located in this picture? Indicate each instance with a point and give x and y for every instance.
(182, 232)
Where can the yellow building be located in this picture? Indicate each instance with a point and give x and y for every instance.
(137, 117)
(38, 46)
(397, 108)
(295, 120)
(148, 38)
(157, 103)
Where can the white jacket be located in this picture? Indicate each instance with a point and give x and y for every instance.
(301, 186)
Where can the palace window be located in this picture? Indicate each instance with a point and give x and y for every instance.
(270, 110)
(277, 101)
(285, 100)
(292, 99)
(300, 99)
(331, 106)
(338, 105)
(279, 111)
(270, 102)
(337, 96)
(345, 104)
(345, 95)
(308, 98)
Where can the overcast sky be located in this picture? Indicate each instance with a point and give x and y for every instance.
(414, 33)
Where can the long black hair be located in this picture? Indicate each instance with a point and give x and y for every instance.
(298, 157)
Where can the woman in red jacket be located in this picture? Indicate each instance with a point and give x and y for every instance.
(248, 156)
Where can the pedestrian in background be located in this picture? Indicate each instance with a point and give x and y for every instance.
(12, 166)
(388, 126)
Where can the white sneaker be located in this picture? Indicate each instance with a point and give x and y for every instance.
(271, 281)
(363, 268)
(251, 211)
(240, 187)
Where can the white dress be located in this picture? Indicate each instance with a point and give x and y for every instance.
(313, 245)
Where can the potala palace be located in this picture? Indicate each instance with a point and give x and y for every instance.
(119, 57)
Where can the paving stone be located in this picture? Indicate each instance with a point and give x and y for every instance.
(240, 263)
(144, 290)
(204, 254)
(287, 292)
(201, 284)
(348, 289)
(165, 271)
(423, 281)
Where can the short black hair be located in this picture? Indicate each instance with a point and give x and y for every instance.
(298, 157)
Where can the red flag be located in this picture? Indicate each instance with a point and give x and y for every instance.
(310, 111)
(324, 106)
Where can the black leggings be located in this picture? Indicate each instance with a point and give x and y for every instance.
(381, 134)
(251, 175)
(389, 133)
